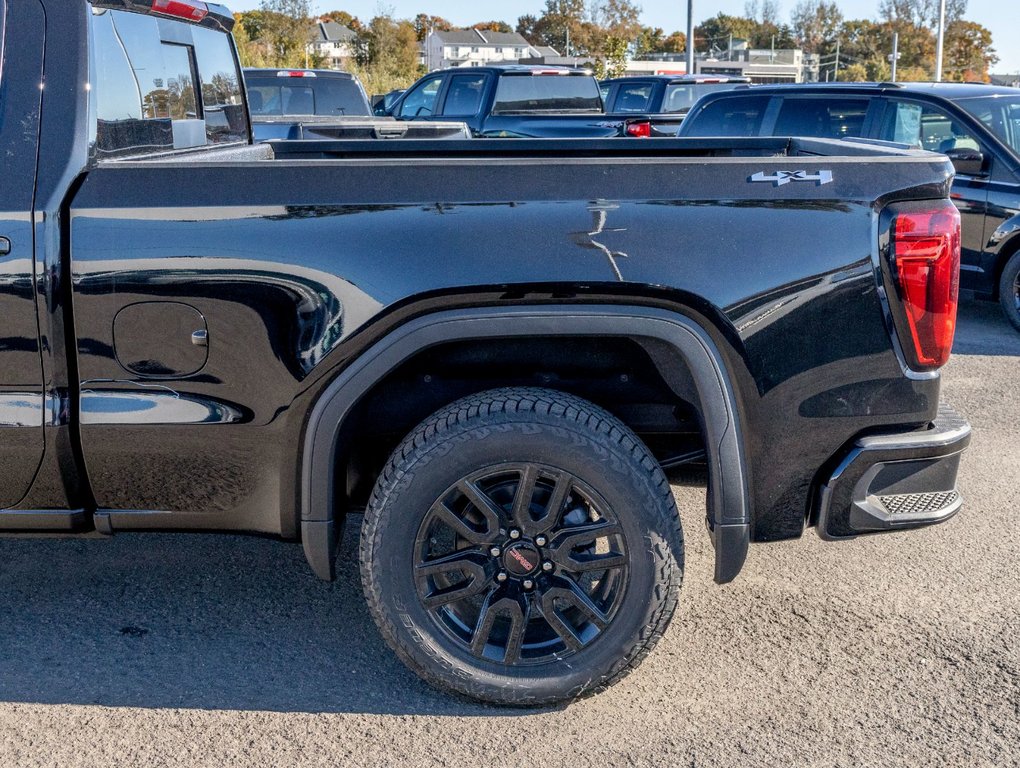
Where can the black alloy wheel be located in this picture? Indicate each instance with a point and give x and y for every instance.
(521, 564)
(522, 547)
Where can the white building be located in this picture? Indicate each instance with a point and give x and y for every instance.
(333, 42)
(474, 48)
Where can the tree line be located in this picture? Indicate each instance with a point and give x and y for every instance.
(608, 32)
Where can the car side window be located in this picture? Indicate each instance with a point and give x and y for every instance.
(729, 117)
(633, 98)
(464, 96)
(925, 127)
(421, 102)
(162, 85)
(821, 118)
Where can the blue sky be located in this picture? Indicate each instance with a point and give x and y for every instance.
(1000, 16)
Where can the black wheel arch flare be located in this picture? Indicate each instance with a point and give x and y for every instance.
(668, 336)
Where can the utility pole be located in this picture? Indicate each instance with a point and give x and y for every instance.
(941, 40)
(835, 73)
(895, 56)
(690, 37)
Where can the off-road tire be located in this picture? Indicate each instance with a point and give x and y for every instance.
(1008, 290)
(523, 425)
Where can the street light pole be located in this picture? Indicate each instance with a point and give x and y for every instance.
(690, 37)
(895, 53)
(941, 39)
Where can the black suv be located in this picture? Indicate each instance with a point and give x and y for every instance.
(976, 126)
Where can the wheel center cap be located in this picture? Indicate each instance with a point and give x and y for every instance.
(521, 559)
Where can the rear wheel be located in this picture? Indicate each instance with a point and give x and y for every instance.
(522, 547)
(1009, 290)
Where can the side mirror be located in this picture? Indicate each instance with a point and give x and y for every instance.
(967, 162)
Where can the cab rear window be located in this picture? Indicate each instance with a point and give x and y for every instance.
(546, 93)
(160, 85)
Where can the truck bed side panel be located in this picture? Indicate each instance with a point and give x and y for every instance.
(295, 266)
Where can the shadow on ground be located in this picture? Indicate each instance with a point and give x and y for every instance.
(982, 329)
(197, 622)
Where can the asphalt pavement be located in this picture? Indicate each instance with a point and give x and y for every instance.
(900, 650)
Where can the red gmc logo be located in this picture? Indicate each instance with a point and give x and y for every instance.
(521, 559)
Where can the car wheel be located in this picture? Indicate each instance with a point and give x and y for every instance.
(522, 547)
(1009, 290)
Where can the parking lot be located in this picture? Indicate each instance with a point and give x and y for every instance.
(206, 650)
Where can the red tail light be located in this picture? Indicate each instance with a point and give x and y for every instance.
(641, 129)
(192, 10)
(926, 250)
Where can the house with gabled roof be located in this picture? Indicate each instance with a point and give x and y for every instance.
(334, 43)
(474, 48)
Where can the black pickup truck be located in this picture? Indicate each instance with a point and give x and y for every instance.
(299, 104)
(516, 101)
(664, 99)
(491, 349)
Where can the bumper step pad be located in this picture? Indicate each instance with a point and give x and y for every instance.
(898, 481)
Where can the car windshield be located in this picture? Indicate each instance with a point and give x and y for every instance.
(270, 95)
(1000, 114)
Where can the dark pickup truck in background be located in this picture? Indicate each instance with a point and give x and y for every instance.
(977, 126)
(490, 348)
(298, 104)
(665, 99)
(514, 101)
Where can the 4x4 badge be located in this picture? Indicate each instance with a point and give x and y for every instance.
(779, 178)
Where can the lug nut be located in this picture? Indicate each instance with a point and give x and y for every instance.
(541, 541)
(547, 566)
(500, 576)
(529, 584)
(495, 552)
(514, 533)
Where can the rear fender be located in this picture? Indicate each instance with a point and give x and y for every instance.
(729, 512)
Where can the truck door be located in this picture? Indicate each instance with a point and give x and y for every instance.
(21, 378)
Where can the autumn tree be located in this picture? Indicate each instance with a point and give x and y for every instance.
(920, 13)
(343, 18)
(816, 24)
(968, 53)
(424, 23)
(763, 11)
(286, 27)
(714, 34)
(562, 25)
(387, 54)
(492, 26)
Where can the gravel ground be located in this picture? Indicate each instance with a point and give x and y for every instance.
(215, 651)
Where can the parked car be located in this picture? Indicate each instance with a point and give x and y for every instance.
(490, 348)
(383, 102)
(666, 99)
(976, 126)
(514, 101)
(326, 104)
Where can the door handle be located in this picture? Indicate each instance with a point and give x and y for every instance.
(5, 246)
